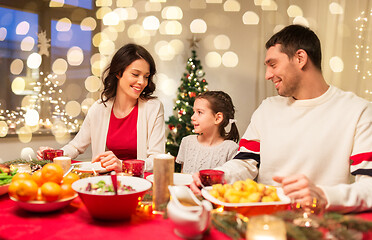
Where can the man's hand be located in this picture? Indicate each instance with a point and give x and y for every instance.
(109, 161)
(300, 188)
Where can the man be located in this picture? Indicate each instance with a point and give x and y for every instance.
(312, 136)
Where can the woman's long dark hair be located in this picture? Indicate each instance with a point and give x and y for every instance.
(220, 101)
(120, 61)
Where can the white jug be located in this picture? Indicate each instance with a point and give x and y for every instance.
(190, 216)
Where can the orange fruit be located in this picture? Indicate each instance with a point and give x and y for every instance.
(21, 176)
(50, 191)
(70, 178)
(38, 178)
(52, 172)
(39, 195)
(67, 191)
(13, 187)
(26, 190)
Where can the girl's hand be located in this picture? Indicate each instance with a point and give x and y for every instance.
(196, 184)
(40, 152)
(109, 161)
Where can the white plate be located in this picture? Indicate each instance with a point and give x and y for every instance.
(178, 178)
(88, 167)
(4, 189)
(42, 206)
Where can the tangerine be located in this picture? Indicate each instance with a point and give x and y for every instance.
(52, 172)
(13, 188)
(50, 191)
(70, 178)
(26, 190)
(39, 195)
(22, 175)
(38, 178)
(67, 191)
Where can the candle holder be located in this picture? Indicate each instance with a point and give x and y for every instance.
(208, 177)
(308, 212)
(50, 154)
(266, 227)
(134, 167)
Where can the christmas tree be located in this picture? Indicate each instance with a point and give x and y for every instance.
(192, 84)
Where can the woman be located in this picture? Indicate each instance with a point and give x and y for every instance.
(127, 123)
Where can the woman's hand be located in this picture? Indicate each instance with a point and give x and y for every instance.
(40, 152)
(109, 161)
(196, 184)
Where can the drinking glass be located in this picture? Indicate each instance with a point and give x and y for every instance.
(50, 154)
(208, 177)
(308, 212)
(134, 167)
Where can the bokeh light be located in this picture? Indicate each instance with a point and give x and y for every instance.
(24, 134)
(63, 25)
(230, 59)
(3, 129)
(34, 60)
(56, 3)
(336, 8)
(198, 26)
(73, 108)
(31, 117)
(269, 5)
(3, 33)
(16, 67)
(166, 85)
(111, 18)
(103, 3)
(301, 21)
(336, 64)
(197, 4)
(18, 85)
(75, 56)
(151, 23)
(59, 79)
(92, 83)
(88, 24)
(59, 66)
(27, 43)
(231, 6)
(73, 91)
(86, 104)
(172, 13)
(170, 27)
(213, 59)
(294, 11)
(250, 18)
(124, 3)
(221, 42)
(22, 28)
(152, 7)
(106, 47)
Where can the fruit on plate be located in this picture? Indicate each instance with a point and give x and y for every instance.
(244, 192)
(47, 184)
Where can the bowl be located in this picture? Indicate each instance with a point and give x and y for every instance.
(112, 207)
(179, 179)
(252, 208)
(42, 206)
(4, 189)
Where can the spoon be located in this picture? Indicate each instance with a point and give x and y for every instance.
(114, 180)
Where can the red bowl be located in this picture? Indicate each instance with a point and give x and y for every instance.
(112, 207)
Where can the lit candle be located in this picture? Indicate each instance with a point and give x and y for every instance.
(266, 227)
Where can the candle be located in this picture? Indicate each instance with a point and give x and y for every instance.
(134, 167)
(163, 177)
(50, 154)
(64, 162)
(266, 227)
(209, 177)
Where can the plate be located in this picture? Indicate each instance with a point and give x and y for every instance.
(4, 189)
(42, 206)
(251, 209)
(178, 178)
(88, 167)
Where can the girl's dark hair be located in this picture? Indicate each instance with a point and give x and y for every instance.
(220, 101)
(120, 61)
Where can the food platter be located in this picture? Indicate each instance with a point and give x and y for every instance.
(178, 178)
(4, 189)
(252, 208)
(88, 167)
(42, 206)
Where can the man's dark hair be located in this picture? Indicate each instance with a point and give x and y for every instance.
(295, 37)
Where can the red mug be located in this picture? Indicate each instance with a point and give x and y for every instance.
(134, 167)
(50, 154)
(208, 177)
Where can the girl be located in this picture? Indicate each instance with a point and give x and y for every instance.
(127, 122)
(217, 134)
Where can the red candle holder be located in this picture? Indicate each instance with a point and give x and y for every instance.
(134, 167)
(50, 154)
(209, 177)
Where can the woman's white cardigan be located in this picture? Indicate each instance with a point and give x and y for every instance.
(150, 131)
